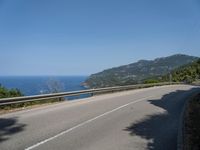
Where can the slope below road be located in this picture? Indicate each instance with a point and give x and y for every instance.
(139, 119)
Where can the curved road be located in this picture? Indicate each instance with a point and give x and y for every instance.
(139, 119)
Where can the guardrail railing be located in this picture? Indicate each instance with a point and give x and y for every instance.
(16, 100)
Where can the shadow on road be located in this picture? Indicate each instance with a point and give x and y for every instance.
(161, 129)
(8, 127)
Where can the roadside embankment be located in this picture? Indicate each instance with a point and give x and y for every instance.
(191, 124)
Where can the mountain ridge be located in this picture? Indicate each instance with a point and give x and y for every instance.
(136, 72)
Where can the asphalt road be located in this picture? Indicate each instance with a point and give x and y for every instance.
(132, 120)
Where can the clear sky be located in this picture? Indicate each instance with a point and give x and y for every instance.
(80, 37)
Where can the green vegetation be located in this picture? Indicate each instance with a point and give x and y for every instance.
(6, 93)
(151, 81)
(143, 71)
(188, 73)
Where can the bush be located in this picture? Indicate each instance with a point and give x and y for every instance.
(6, 93)
(151, 81)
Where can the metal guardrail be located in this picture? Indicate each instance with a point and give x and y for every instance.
(16, 100)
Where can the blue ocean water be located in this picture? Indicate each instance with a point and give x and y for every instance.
(34, 85)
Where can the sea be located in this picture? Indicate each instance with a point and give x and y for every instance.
(36, 85)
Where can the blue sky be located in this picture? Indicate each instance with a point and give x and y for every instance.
(80, 37)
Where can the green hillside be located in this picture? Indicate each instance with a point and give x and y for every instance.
(188, 73)
(137, 72)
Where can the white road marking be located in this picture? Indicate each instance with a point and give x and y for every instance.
(84, 123)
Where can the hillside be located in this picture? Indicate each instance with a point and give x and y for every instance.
(139, 71)
(187, 73)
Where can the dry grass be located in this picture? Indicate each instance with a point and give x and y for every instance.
(27, 105)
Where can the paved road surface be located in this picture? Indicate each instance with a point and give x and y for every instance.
(131, 120)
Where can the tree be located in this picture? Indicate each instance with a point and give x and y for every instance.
(54, 86)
